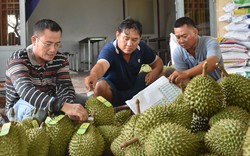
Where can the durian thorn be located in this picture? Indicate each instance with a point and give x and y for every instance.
(224, 72)
(204, 69)
(129, 142)
(138, 110)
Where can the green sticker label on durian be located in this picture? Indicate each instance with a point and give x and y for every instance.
(47, 120)
(83, 128)
(104, 101)
(56, 119)
(35, 123)
(5, 129)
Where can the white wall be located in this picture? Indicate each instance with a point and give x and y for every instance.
(80, 19)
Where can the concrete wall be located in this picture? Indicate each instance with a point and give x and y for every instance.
(86, 18)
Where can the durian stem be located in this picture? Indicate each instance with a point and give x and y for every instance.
(129, 142)
(204, 69)
(12, 119)
(224, 72)
(138, 110)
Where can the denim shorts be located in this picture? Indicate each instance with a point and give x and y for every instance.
(120, 96)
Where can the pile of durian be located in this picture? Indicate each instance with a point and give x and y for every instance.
(207, 119)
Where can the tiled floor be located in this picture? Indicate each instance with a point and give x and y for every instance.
(78, 81)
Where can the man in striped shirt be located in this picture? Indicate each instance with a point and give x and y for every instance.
(38, 77)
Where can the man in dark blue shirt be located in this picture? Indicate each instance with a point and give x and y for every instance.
(116, 75)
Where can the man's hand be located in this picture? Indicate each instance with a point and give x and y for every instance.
(90, 81)
(75, 111)
(178, 77)
(151, 77)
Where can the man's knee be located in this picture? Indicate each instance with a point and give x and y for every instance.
(102, 88)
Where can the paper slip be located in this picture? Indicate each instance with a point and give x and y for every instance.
(159, 92)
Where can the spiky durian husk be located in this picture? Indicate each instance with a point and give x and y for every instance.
(103, 115)
(91, 143)
(15, 142)
(208, 154)
(246, 144)
(123, 116)
(204, 96)
(231, 112)
(226, 137)
(179, 100)
(28, 123)
(171, 139)
(199, 123)
(39, 141)
(127, 132)
(60, 135)
(160, 114)
(109, 133)
(135, 150)
(202, 147)
(237, 90)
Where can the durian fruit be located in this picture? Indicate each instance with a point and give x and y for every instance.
(60, 130)
(231, 112)
(202, 147)
(171, 139)
(199, 123)
(31, 122)
(86, 142)
(246, 144)
(236, 89)
(109, 133)
(13, 139)
(134, 150)
(127, 132)
(204, 95)
(39, 141)
(208, 154)
(104, 113)
(122, 116)
(226, 137)
(160, 114)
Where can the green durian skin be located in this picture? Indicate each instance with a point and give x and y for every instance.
(231, 112)
(246, 144)
(135, 150)
(60, 135)
(226, 137)
(15, 142)
(103, 115)
(127, 132)
(91, 143)
(237, 90)
(161, 114)
(199, 123)
(204, 96)
(109, 133)
(123, 116)
(171, 139)
(39, 141)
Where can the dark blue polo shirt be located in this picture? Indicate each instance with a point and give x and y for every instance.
(121, 73)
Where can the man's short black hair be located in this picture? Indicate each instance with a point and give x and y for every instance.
(130, 23)
(43, 24)
(184, 20)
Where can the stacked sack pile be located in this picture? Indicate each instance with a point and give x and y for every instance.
(235, 45)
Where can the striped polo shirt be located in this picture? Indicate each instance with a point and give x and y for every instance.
(45, 87)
